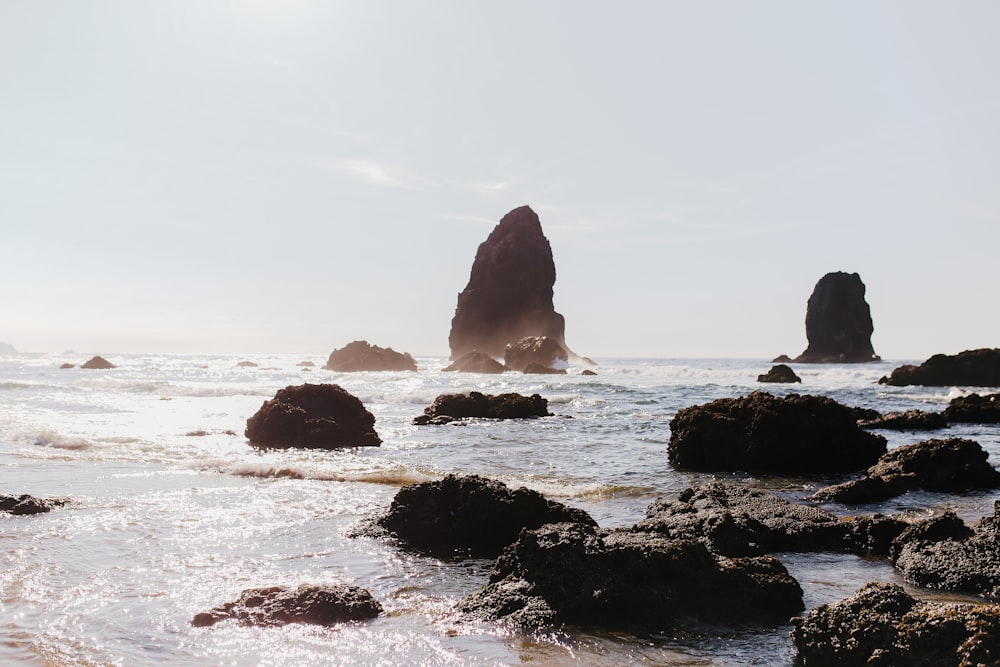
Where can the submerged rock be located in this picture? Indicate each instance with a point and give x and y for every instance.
(951, 465)
(534, 352)
(319, 416)
(98, 363)
(476, 362)
(317, 605)
(360, 355)
(971, 368)
(469, 515)
(911, 420)
(838, 322)
(974, 409)
(779, 373)
(762, 433)
(509, 295)
(25, 504)
(451, 407)
(882, 626)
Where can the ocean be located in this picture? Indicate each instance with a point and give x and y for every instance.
(173, 513)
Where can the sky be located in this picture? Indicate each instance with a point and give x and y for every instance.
(286, 176)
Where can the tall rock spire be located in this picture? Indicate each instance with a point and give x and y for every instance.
(838, 322)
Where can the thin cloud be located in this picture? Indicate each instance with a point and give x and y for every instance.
(376, 173)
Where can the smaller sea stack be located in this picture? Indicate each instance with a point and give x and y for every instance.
(838, 322)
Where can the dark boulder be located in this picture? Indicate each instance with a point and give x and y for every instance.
(451, 407)
(782, 359)
(765, 434)
(476, 362)
(779, 373)
(317, 605)
(882, 626)
(98, 363)
(319, 416)
(25, 504)
(530, 351)
(951, 465)
(911, 420)
(971, 368)
(576, 574)
(468, 515)
(538, 369)
(838, 322)
(360, 355)
(509, 295)
(587, 371)
(974, 409)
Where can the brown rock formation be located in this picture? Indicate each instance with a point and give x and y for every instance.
(319, 416)
(99, 363)
(838, 322)
(476, 362)
(779, 373)
(534, 351)
(360, 355)
(317, 605)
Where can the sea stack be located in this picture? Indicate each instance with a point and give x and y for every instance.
(509, 295)
(838, 322)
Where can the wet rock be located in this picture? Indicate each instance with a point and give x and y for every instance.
(509, 295)
(534, 352)
(320, 416)
(838, 322)
(587, 371)
(360, 355)
(911, 420)
(317, 605)
(469, 515)
(951, 465)
(882, 626)
(98, 362)
(971, 368)
(576, 574)
(67, 365)
(451, 407)
(538, 369)
(765, 434)
(476, 362)
(779, 373)
(974, 409)
(25, 504)
(782, 359)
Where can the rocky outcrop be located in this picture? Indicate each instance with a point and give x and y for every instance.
(838, 322)
(538, 369)
(247, 364)
(317, 605)
(953, 465)
(476, 362)
(25, 504)
(67, 365)
(882, 626)
(764, 434)
(779, 373)
(468, 515)
(318, 416)
(360, 355)
(534, 351)
(509, 295)
(451, 407)
(974, 409)
(98, 363)
(577, 574)
(972, 368)
(911, 420)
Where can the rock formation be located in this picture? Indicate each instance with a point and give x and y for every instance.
(971, 368)
(534, 351)
(360, 355)
(99, 363)
(319, 416)
(317, 605)
(450, 407)
(838, 322)
(911, 420)
(509, 295)
(779, 373)
(476, 362)
(25, 504)
(974, 409)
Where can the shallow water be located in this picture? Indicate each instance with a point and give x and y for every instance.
(173, 513)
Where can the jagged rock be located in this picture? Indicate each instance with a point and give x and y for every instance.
(25, 504)
(469, 515)
(319, 416)
(762, 433)
(360, 355)
(838, 322)
(509, 295)
(476, 362)
(98, 363)
(946, 526)
(450, 407)
(577, 574)
(537, 351)
(971, 368)
(882, 626)
(951, 465)
(911, 420)
(779, 373)
(317, 605)
(974, 409)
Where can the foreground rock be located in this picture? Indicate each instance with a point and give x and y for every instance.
(534, 351)
(779, 373)
(360, 355)
(317, 605)
(952, 465)
(882, 626)
(98, 363)
(452, 407)
(509, 295)
(25, 504)
(319, 416)
(838, 322)
(576, 574)
(911, 420)
(764, 434)
(469, 515)
(972, 368)
(476, 362)
(974, 409)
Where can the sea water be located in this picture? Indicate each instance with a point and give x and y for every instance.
(173, 513)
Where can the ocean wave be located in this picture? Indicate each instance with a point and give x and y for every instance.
(295, 471)
(49, 438)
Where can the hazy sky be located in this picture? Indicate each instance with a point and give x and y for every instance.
(288, 176)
